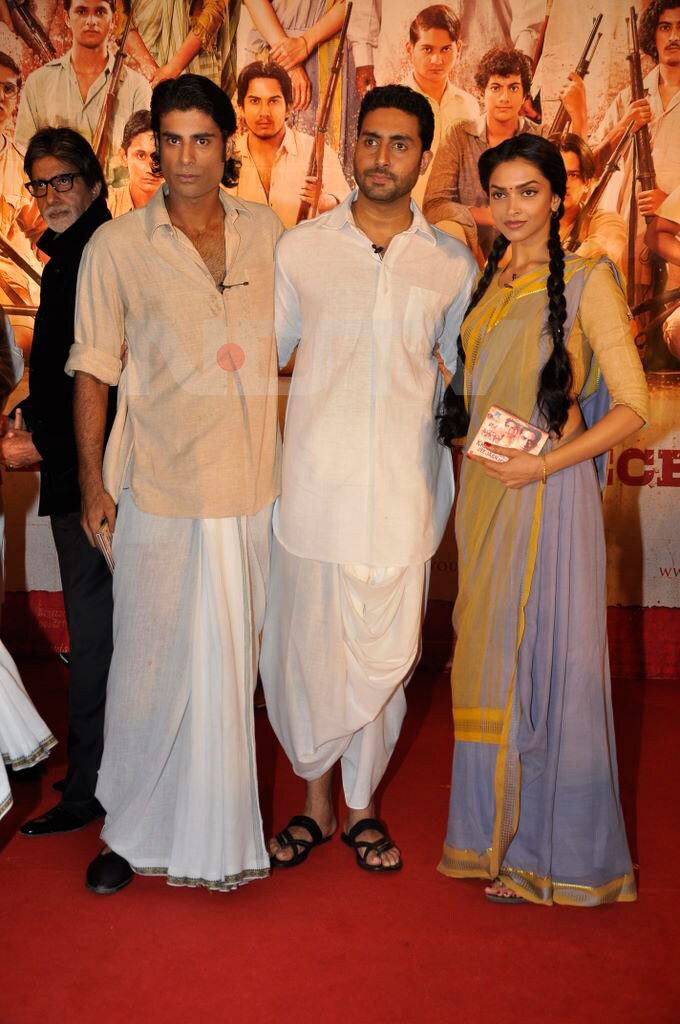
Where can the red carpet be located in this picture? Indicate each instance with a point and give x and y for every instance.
(329, 943)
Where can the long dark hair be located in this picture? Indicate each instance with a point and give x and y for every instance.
(555, 382)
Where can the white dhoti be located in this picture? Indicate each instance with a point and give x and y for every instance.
(340, 644)
(24, 737)
(178, 776)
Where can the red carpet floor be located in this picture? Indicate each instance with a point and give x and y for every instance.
(330, 943)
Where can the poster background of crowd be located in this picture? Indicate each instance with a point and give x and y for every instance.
(217, 38)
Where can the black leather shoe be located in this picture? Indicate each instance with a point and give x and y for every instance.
(53, 822)
(108, 873)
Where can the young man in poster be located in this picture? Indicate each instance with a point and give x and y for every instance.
(433, 48)
(71, 90)
(187, 282)
(275, 157)
(367, 294)
(138, 154)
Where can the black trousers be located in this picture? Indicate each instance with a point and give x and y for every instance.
(86, 583)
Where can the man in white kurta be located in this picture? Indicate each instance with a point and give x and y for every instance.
(366, 294)
(187, 282)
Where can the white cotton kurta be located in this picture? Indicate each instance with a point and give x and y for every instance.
(24, 737)
(178, 776)
(366, 489)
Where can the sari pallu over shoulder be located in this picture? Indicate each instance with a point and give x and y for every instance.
(512, 646)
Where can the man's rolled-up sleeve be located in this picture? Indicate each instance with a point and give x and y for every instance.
(99, 329)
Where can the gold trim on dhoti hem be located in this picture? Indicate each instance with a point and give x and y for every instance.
(478, 725)
(224, 885)
(464, 863)
(36, 755)
(546, 891)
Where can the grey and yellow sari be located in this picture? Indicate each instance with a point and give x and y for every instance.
(535, 792)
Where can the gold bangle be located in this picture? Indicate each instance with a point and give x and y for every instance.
(545, 470)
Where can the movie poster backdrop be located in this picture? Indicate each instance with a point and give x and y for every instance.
(218, 38)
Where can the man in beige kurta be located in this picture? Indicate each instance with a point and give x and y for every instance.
(193, 461)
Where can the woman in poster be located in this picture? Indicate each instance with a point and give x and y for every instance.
(534, 805)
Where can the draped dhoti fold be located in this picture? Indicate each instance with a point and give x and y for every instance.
(340, 644)
(24, 737)
(178, 776)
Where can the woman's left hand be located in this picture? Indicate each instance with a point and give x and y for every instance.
(520, 469)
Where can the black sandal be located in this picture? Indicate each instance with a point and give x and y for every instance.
(362, 847)
(301, 847)
(511, 898)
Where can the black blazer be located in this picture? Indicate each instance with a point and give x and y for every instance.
(48, 410)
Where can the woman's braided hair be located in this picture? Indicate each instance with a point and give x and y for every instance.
(555, 383)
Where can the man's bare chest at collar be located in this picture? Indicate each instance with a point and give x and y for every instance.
(210, 247)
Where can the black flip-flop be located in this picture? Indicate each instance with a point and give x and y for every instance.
(513, 899)
(301, 847)
(362, 847)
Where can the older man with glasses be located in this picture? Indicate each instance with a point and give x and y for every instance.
(69, 187)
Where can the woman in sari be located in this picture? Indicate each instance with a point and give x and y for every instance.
(534, 804)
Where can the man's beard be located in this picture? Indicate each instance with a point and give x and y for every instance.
(382, 193)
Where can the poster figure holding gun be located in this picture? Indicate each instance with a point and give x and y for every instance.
(73, 90)
(274, 156)
(562, 119)
(657, 171)
(585, 228)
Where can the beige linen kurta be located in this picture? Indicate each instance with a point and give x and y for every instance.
(201, 378)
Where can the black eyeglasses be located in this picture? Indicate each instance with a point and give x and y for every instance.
(60, 183)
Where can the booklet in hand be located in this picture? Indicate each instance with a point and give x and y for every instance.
(507, 431)
(103, 542)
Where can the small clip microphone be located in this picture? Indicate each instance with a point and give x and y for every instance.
(379, 250)
(222, 288)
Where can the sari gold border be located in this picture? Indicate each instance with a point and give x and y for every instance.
(544, 891)
(458, 863)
